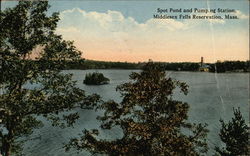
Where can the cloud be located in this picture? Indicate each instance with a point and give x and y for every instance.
(112, 21)
(68, 30)
(240, 15)
(112, 36)
(166, 24)
(214, 21)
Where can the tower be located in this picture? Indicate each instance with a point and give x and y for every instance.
(202, 61)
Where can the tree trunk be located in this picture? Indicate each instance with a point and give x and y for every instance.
(7, 149)
(8, 140)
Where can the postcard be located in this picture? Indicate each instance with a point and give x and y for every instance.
(124, 77)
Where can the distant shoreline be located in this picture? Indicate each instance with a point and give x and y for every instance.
(218, 67)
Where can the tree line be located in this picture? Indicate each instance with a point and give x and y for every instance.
(219, 67)
(230, 66)
(152, 121)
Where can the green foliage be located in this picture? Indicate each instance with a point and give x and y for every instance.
(230, 66)
(90, 64)
(32, 53)
(235, 135)
(95, 79)
(183, 66)
(220, 67)
(152, 122)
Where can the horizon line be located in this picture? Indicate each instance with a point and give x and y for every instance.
(163, 61)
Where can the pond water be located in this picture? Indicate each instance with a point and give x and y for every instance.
(211, 97)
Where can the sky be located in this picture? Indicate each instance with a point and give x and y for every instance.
(126, 30)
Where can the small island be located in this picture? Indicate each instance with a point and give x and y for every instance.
(95, 79)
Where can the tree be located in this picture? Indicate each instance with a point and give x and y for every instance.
(235, 135)
(152, 122)
(95, 79)
(31, 53)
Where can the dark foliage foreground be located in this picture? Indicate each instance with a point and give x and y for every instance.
(152, 122)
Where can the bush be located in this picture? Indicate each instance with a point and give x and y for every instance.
(234, 134)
